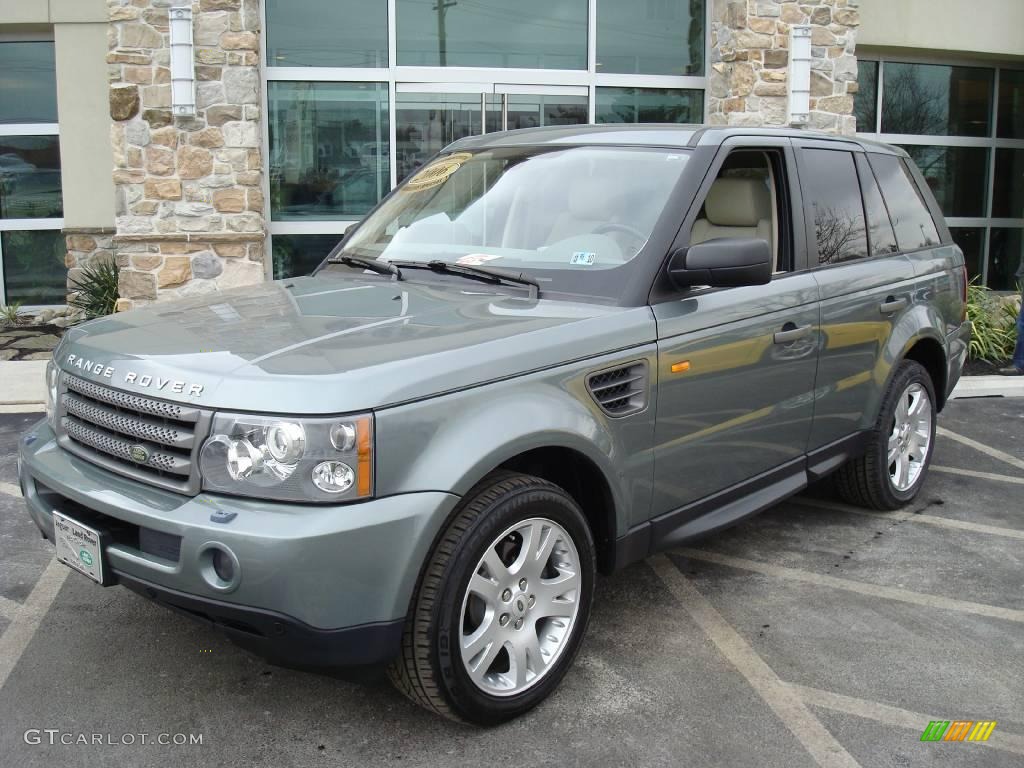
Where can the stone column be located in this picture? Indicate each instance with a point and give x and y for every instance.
(749, 62)
(190, 208)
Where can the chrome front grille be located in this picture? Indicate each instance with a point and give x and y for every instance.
(146, 439)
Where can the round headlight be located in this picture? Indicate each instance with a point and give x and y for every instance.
(333, 476)
(343, 436)
(244, 458)
(286, 442)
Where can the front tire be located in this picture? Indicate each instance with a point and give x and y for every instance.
(503, 603)
(892, 470)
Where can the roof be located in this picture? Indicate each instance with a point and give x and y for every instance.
(648, 134)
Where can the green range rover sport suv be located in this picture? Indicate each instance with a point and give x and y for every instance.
(547, 354)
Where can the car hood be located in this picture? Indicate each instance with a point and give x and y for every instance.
(335, 344)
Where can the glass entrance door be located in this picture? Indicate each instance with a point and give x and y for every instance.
(427, 118)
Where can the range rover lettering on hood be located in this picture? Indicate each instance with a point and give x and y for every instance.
(131, 377)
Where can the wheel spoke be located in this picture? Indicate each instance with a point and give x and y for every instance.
(893, 451)
(486, 588)
(902, 471)
(903, 410)
(552, 599)
(484, 650)
(495, 568)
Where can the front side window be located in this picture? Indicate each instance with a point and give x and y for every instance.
(573, 218)
(910, 218)
(837, 213)
(532, 34)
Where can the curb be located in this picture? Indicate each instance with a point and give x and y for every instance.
(988, 386)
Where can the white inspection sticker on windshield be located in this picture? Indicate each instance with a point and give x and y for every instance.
(585, 258)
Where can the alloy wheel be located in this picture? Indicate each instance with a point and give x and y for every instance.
(910, 438)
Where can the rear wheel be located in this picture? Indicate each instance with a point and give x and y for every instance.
(893, 468)
(503, 603)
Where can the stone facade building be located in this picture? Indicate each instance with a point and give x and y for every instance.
(188, 190)
(309, 111)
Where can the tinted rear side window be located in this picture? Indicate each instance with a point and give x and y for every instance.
(881, 238)
(910, 218)
(830, 184)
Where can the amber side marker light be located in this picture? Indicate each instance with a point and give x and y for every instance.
(682, 367)
(365, 460)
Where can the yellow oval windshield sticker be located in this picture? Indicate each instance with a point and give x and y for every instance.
(437, 172)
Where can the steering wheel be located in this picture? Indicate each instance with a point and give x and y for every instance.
(639, 236)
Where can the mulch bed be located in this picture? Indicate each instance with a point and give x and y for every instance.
(29, 342)
(984, 368)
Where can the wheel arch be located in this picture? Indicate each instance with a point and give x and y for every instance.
(931, 355)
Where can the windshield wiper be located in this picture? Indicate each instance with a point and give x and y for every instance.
(380, 267)
(493, 276)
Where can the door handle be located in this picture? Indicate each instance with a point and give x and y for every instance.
(790, 332)
(891, 305)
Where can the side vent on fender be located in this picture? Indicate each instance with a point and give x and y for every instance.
(620, 391)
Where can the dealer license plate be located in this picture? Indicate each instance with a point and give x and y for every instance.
(78, 546)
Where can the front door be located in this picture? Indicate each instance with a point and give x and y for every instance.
(736, 366)
(429, 116)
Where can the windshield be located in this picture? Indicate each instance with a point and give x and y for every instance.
(570, 217)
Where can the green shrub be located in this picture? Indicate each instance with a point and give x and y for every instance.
(96, 290)
(994, 322)
(10, 314)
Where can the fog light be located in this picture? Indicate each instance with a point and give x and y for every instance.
(333, 476)
(223, 565)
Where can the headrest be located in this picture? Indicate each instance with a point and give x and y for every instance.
(736, 202)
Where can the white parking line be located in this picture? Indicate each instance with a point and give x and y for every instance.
(903, 718)
(26, 620)
(995, 453)
(979, 475)
(860, 587)
(808, 730)
(10, 489)
(9, 608)
(904, 515)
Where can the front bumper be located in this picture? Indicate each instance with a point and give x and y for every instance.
(314, 584)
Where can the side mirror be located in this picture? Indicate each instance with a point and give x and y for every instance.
(723, 262)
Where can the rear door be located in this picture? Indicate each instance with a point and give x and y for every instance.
(866, 286)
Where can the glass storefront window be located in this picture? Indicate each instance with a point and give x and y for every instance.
(534, 34)
(536, 111)
(957, 177)
(936, 99)
(30, 178)
(1006, 258)
(426, 122)
(28, 83)
(1008, 190)
(648, 105)
(328, 149)
(297, 35)
(865, 103)
(295, 255)
(972, 242)
(664, 37)
(34, 271)
(1011, 104)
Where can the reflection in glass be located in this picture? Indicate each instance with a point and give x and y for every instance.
(28, 83)
(295, 255)
(652, 38)
(909, 215)
(1008, 192)
(536, 34)
(881, 238)
(957, 177)
(834, 193)
(971, 241)
(1006, 259)
(34, 271)
(328, 149)
(648, 105)
(298, 37)
(426, 122)
(537, 111)
(865, 103)
(1011, 104)
(936, 100)
(30, 177)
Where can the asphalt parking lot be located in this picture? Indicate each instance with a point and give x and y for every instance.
(813, 634)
